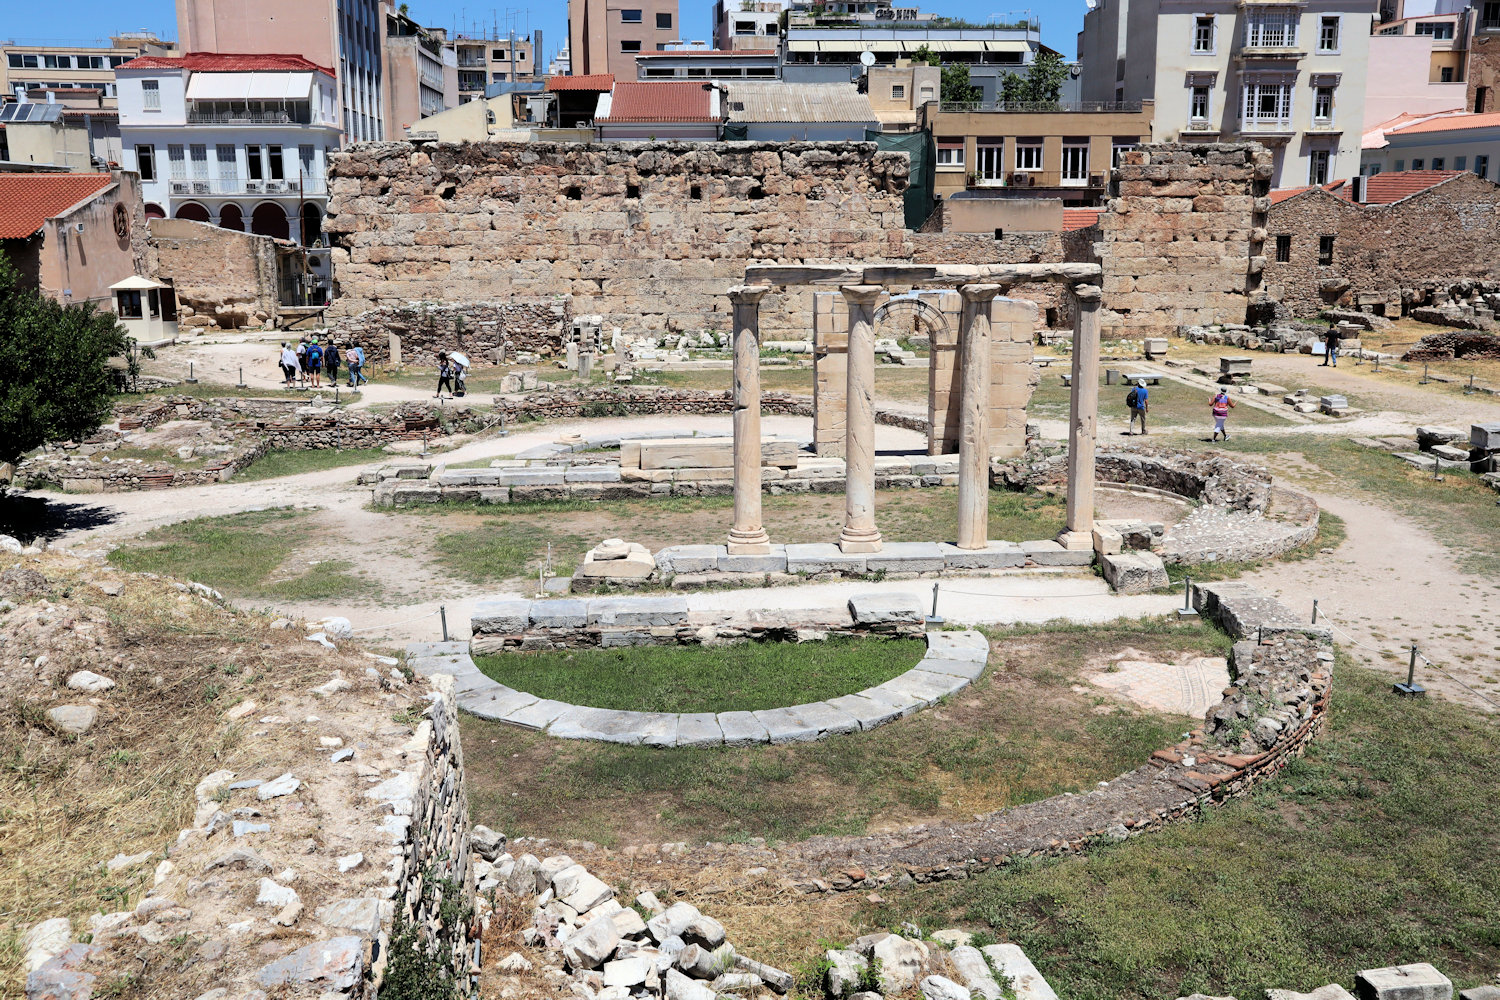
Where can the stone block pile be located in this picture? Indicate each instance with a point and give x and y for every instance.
(945, 966)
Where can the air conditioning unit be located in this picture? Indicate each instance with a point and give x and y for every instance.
(253, 187)
(200, 187)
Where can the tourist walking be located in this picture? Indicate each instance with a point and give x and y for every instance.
(302, 359)
(1136, 401)
(460, 372)
(331, 363)
(356, 366)
(445, 375)
(1221, 406)
(289, 367)
(315, 363)
(1331, 347)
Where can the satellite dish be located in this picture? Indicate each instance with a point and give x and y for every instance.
(867, 59)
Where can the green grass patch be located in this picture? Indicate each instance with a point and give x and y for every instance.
(328, 580)
(276, 464)
(503, 549)
(743, 677)
(1376, 848)
(1020, 733)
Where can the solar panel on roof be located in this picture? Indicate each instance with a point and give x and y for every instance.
(30, 112)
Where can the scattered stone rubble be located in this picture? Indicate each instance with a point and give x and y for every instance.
(1454, 344)
(1478, 449)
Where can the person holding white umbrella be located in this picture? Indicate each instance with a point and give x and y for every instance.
(460, 369)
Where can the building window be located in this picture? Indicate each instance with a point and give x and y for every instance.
(1439, 162)
(664, 22)
(1325, 251)
(150, 95)
(229, 169)
(744, 27)
(1481, 100)
(630, 16)
(273, 161)
(1460, 162)
(1268, 103)
(1328, 34)
(989, 159)
(1119, 149)
(128, 304)
(199, 155)
(145, 162)
(1441, 31)
(1203, 35)
(177, 161)
(1283, 248)
(1323, 106)
(898, 91)
(1482, 166)
(252, 162)
(1199, 108)
(1317, 166)
(1400, 166)
(498, 55)
(1272, 28)
(1075, 164)
(950, 152)
(1445, 74)
(1028, 155)
(630, 46)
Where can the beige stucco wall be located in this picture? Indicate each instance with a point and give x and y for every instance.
(469, 122)
(985, 215)
(1403, 83)
(78, 266)
(49, 142)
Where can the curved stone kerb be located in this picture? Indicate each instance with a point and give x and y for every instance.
(954, 660)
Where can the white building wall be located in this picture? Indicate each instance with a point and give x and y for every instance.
(1457, 150)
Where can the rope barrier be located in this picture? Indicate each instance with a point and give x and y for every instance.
(408, 621)
(1421, 656)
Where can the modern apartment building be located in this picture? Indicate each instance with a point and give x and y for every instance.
(831, 54)
(347, 35)
(747, 24)
(483, 61)
(605, 36)
(696, 61)
(236, 140)
(1289, 75)
(1459, 141)
(420, 72)
(60, 68)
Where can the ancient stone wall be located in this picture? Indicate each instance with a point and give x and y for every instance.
(487, 332)
(649, 235)
(222, 277)
(1181, 242)
(1442, 235)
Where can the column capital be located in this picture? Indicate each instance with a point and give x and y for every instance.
(862, 294)
(1088, 294)
(980, 291)
(748, 294)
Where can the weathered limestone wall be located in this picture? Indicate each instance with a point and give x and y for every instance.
(649, 235)
(223, 278)
(1181, 243)
(1443, 235)
(487, 332)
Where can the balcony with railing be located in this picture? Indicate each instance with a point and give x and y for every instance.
(252, 113)
(1037, 107)
(237, 186)
(1021, 181)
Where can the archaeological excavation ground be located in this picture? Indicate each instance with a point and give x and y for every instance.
(790, 608)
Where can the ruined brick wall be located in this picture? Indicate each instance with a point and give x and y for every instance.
(649, 234)
(482, 330)
(222, 277)
(1483, 71)
(1181, 242)
(1446, 233)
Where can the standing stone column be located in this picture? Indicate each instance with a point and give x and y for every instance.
(748, 536)
(1083, 419)
(974, 416)
(860, 533)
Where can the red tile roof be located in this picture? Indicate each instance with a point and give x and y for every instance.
(1450, 123)
(660, 102)
(1079, 218)
(597, 82)
(1389, 186)
(1280, 195)
(228, 62)
(27, 201)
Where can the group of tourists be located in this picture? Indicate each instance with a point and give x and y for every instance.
(453, 368)
(309, 361)
(1138, 401)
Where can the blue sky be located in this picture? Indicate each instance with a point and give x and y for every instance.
(91, 20)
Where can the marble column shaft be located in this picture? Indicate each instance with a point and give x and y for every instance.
(974, 416)
(1083, 419)
(860, 533)
(747, 536)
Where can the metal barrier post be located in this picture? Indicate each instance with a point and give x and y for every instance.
(933, 620)
(1315, 611)
(1187, 610)
(443, 611)
(1411, 689)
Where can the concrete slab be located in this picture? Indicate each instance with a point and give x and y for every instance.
(906, 557)
(536, 715)
(995, 555)
(785, 726)
(637, 611)
(531, 477)
(967, 645)
(606, 725)
(699, 730)
(496, 702)
(822, 557)
(1418, 981)
(500, 617)
(429, 665)
(924, 685)
(1134, 572)
(742, 729)
(1049, 553)
(868, 711)
(689, 558)
(659, 729)
(564, 613)
(415, 649)
(775, 562)
(1010, 961)
(970, 669)
(592, 474)
(881, 608)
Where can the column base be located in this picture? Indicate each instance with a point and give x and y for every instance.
(857, 540)
(1076, 540)
(749, 543)
(973, 546)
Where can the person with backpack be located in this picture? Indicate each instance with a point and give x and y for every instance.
(356, 366)
(1135, 401)
(1331, 347)
(331, 363)
(315, 363)
(445, 375)
(1221, 406)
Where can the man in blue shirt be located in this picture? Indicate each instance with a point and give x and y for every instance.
(1136, 401)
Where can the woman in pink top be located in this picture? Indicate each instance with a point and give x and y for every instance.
(1221, 407)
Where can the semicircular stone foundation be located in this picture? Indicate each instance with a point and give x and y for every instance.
(953, 661)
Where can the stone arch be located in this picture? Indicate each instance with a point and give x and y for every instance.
(232, 217)
(155, 211)
(909, 313)
(193, 212)
(269, 219)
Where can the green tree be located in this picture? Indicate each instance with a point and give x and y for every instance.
(58, 383)
(924, 56)
(956, 88)
(1044, 78)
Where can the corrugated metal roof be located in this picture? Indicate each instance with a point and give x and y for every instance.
(27, 201)
(776, 101)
